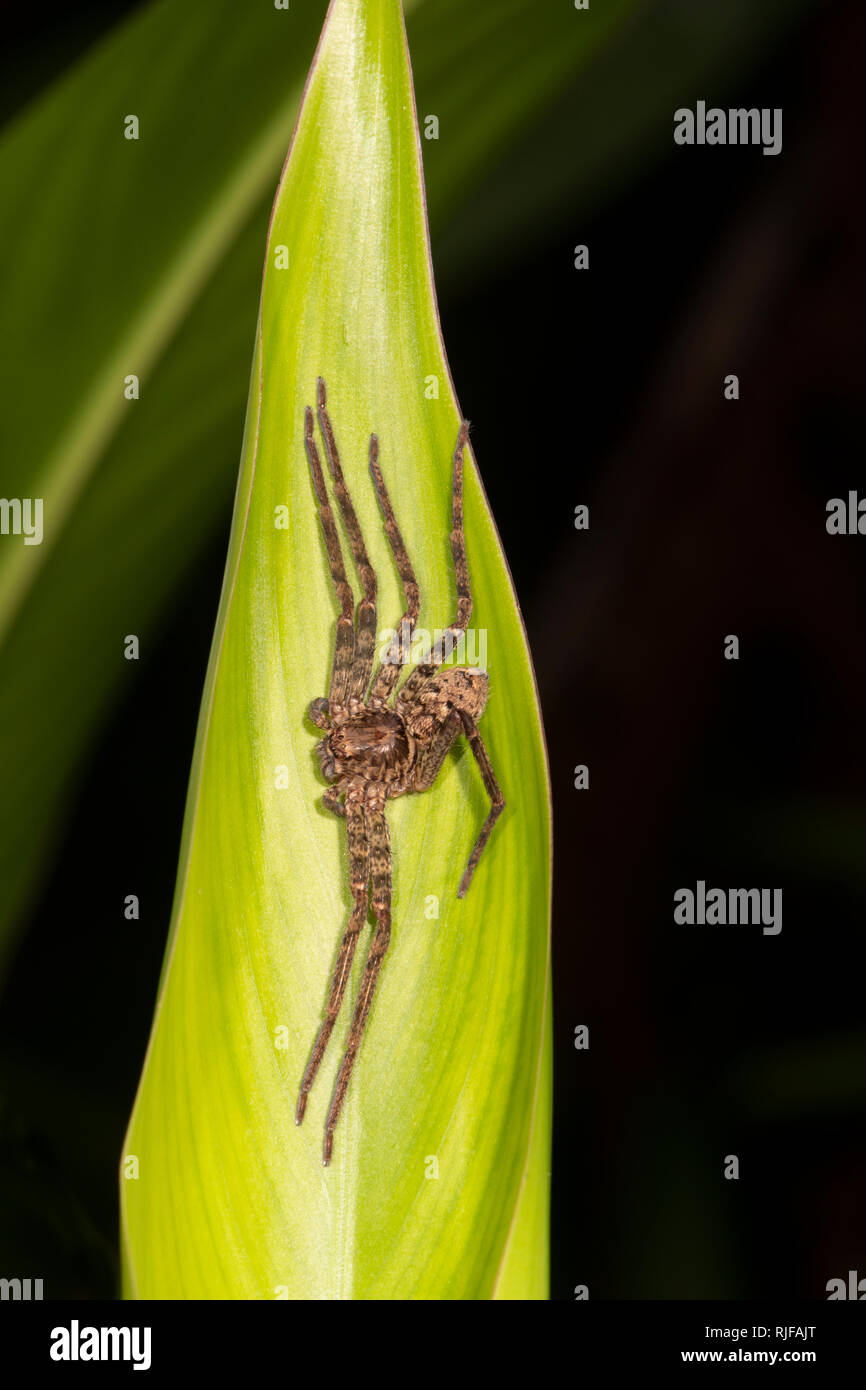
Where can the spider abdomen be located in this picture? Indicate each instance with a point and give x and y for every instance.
(373, 744)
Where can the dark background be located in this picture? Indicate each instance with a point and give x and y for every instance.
(707, 518)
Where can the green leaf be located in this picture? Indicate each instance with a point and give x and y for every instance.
(116, 245)
(227, 1197)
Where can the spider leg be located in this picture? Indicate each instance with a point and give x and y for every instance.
(359, 876)
(491, 786)
(344, 645)
(362, 667)
(458, 539)
(318, 713)
(430, 761)
(431, 758)
(389, 669)
(380, 901)
(441, 652)
(331, 801)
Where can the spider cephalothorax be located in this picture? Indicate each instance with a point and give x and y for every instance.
(374, 750)
(374, 743)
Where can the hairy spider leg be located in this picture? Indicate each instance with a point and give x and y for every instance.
(331, 800)
(344, 644)
(491, 786)
(380, 897)
(359, 874)
(431, 758)
(389, 669)
(458, 539)
(365, 638)
(430, 761)
(461, 574)
(459, 721)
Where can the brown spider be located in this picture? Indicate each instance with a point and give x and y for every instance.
(372, 752)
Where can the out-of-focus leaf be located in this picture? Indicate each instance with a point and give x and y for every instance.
(612, 120)
(438, 1187)
(804, 1077)
(818, 835)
